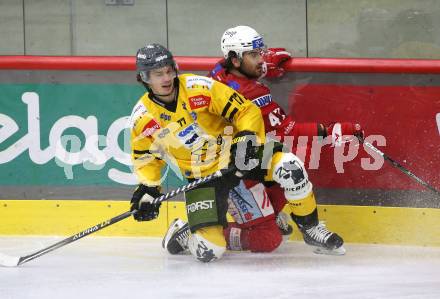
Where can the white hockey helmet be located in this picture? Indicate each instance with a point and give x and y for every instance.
(240, 39)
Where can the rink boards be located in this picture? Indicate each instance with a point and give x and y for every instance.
(44, 190)
(357, 224)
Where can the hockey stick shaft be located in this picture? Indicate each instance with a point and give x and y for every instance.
(10, 261)
(75, 237)
(400, 167)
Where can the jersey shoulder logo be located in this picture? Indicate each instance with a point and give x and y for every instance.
(199, 82)
(137, 113)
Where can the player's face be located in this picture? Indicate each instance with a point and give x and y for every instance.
(252, 63)
(161, 80)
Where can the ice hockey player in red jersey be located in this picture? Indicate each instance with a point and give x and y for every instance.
(246, 60)
(252, 204)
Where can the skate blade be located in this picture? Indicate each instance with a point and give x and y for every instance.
(336, 251)
(174, 226)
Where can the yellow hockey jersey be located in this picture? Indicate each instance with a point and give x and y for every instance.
(194, 135)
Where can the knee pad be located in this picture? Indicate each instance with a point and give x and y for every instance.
(289, 171)
(265, 237)
(207, 244)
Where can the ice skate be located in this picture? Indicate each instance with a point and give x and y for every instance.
(176, 237)
(324, 241)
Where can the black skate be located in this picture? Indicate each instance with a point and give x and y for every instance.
(176, 238)
(324, 241)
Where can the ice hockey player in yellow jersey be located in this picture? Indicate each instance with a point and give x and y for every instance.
(186, 120)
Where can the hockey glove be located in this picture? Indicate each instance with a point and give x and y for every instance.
(244, 152)
(273, 58)
(338, 130)
(142, 202)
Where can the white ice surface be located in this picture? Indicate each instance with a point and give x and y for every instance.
(139, 268)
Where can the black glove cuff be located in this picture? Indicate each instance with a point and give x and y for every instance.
(141, 190)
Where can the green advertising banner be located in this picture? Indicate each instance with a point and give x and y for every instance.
(66, 134)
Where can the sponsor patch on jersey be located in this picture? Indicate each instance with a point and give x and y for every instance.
(165, 116)
(190, 135)
(151, 127)
(246, 205)
(193, 115)
(263, 100)
(199, 101)
(138, 111)
(199, 82)
(217, 68)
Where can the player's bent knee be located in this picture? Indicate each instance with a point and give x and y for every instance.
(265, 240)
(207, 244)
(289, 171)
(267, 244)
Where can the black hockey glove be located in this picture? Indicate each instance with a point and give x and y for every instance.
(142, 202)
(244, 152)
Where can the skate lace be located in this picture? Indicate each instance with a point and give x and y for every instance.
(319, 233)
(183, 236)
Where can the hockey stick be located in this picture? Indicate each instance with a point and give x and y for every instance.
(400, 167)
(13, 261)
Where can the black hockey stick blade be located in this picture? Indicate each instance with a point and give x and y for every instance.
(14, 261)
(401, 168)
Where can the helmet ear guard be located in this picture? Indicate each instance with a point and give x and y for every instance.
(144, 76)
